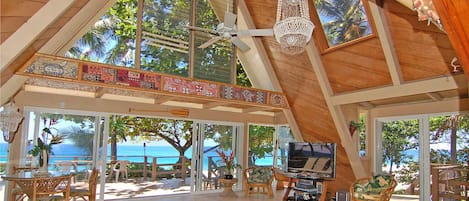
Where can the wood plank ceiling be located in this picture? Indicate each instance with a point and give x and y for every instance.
(423, 54)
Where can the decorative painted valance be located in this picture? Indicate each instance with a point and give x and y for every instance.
(91, 73)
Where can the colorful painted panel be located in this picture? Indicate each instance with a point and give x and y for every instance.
(178, 85)
(243, 94)
(54, 67)
(124, 77)
(278, 100)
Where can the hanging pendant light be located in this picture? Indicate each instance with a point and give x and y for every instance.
(293, 27)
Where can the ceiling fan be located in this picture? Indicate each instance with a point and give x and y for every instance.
(228, 30)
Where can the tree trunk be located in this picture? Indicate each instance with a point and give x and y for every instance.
(453, 146)
(113, 147)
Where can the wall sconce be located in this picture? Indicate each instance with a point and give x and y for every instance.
(10, 118)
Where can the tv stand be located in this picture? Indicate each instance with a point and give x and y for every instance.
(315, 188)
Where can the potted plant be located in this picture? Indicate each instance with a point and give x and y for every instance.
(43, 148)
(353, 126)
(230, 163)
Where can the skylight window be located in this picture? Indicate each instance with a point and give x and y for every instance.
(342, 20)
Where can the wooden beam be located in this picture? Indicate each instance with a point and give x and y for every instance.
(336, 112)
(255, 109)
(435, 96)
(261, 73)
(161, 99)
(453, 15)
(386, 42)
(262, 76)
(32, 29)
(407, 89)
(211, 105)
(367, 105)
(100, 92)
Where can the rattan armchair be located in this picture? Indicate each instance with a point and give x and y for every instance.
(379, 188)
(258, 180)
(87, 194)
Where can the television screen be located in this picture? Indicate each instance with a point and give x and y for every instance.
(316, 159)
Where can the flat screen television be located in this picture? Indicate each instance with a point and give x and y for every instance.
(316, 159)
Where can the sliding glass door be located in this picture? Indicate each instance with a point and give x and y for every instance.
(207, 166)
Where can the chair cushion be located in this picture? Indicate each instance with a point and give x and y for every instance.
(259, 174)
(371, 189)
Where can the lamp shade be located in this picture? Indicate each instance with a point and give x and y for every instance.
(293, 27)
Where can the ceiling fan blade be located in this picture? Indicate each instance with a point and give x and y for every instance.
(230, 20)
(210, 42)
(201, 29)
(240, 44)
(255, 32)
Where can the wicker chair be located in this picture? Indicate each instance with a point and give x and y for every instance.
(46, 188)
(17, 193)
(258, 180)
(89, 193)
(378, 188)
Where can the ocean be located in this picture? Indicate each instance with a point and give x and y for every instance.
(131, 152)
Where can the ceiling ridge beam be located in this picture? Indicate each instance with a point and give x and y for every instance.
(336, 112)
(406, 89)
(31, 29)
(385, 38)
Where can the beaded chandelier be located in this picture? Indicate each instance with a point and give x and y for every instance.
(293, 27)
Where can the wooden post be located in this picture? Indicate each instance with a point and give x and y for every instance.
(153, 169)
(435, 183)
(145, 169)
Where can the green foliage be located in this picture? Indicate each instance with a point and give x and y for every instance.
(44, 143)
(113, 40)
(399, 136)
(261, 142)
(346, 20)
(406, 175)
(242, 78)
(178, 133)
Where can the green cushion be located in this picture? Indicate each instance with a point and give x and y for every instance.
(259, 174)
(371, 189)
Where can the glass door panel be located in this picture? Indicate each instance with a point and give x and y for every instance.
(213, 137)
(284, 137)
(70, 139)
(448, 155)
(399, 154)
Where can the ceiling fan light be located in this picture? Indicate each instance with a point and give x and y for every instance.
(293, 27)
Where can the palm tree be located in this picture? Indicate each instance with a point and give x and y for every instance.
(342, 20)
(453, 124)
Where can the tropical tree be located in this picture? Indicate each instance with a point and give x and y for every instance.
(342, 20)
(177, 133)
(452, 124)
(398, 137)
(261, 142)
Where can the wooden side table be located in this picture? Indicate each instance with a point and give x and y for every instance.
(228, 186)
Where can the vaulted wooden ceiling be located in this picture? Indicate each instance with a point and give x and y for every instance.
(405, 61)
